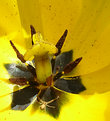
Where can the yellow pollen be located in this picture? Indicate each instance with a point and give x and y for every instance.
(54, 57)
(63, 72)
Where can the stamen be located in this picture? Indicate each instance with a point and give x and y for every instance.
(59, 46)
(32, 70)
(69, 67)
(61, 42)
(57, 76)
(19, 55)
(33, 31)
(53, 63)
(49, 81)
(19, 81)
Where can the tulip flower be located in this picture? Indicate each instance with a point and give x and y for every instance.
(87, 23)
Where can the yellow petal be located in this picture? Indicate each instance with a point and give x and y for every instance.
(98, 81)
(10, 21)
(88, 29)
(92, 108)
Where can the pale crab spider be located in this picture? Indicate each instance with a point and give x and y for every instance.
(43, 103)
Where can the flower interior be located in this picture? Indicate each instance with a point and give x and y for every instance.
(44, 78)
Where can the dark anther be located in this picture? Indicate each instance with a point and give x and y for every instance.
(49, 80)
(69, 67)
(57, 76)
(61, 42)
(19, 81)
(33, 31)
(59, 46)
(19, 55)
(32, 70)
(53, 63)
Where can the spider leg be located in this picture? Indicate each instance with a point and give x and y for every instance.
(50, 106)
(40, 100)
(52, 100)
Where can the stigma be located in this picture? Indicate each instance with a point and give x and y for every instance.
(42, 53)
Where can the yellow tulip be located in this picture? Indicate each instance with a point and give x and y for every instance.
(88, 36)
